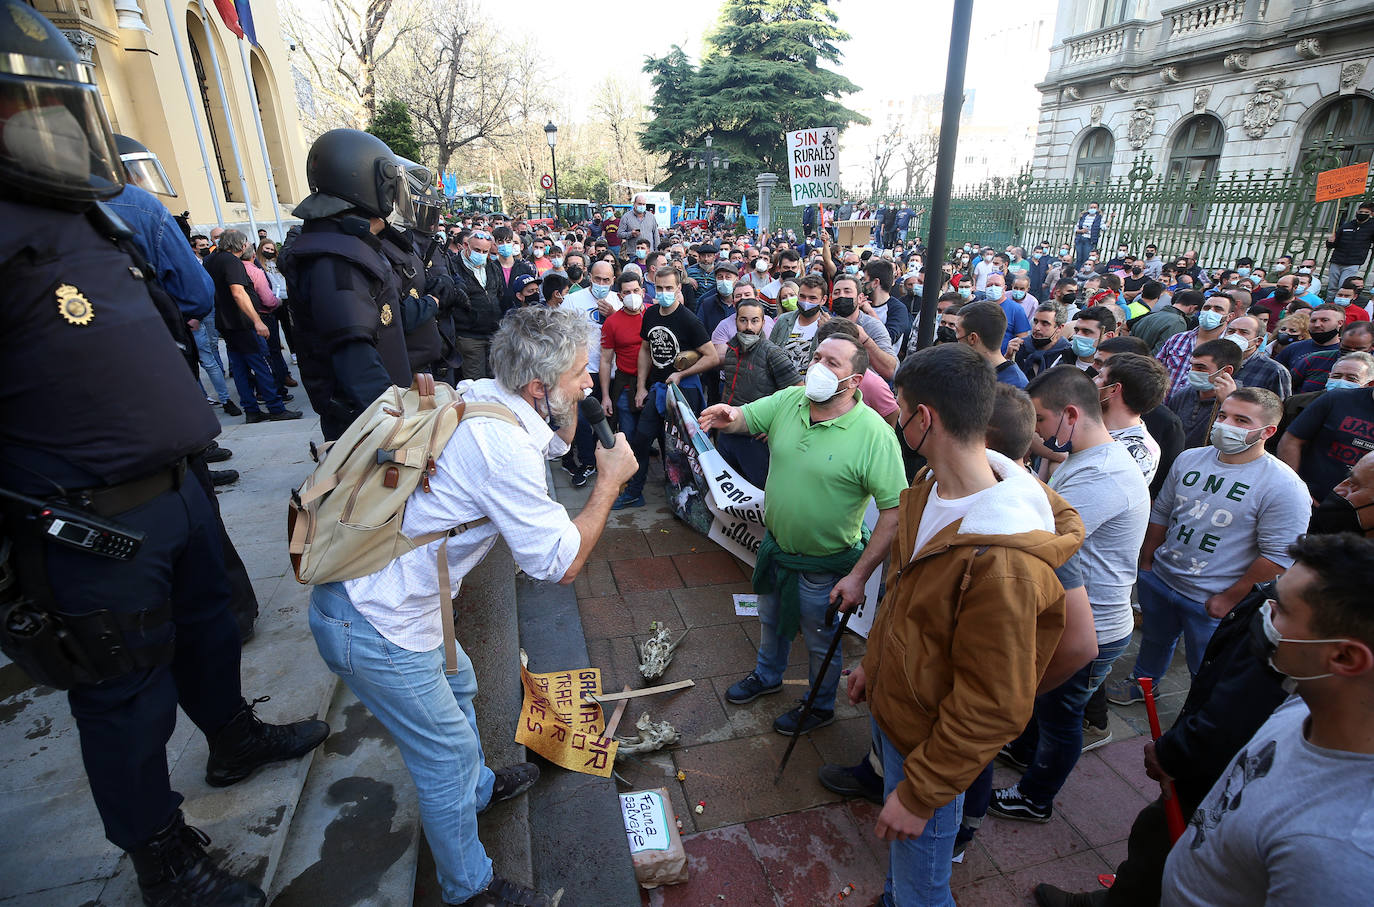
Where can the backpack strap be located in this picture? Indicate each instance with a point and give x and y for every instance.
(446, 612)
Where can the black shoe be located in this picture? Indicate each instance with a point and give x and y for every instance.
(285, 415)
(1010, 803)
(853, 781)
(505, 893)
(789, 723)
(216, 454)
(1008, 755)
(511, 782)
(231, 408)
(174, 871)
(1050, 896)
(247, 743)
(219, 477)
(749, 689)
(254, 416)
(582, 474)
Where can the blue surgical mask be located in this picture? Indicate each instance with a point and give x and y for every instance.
(993, 293)
(725, 287)
(966, 292)
(641, 254)
(640, 209)
(556, 262)
(1018, 295)
(1341, 384)
(1083, 347)
(1199, 381)
(1243, 272)
(1209, 320)
(506, 249)
(851, 269)
(476, 259)
(666, 298)
(600, 292)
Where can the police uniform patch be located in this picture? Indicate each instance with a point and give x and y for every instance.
(414, 292)
(73, 306)
(386, 314)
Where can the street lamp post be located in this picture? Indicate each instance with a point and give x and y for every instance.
(708, 159)
(551, 133)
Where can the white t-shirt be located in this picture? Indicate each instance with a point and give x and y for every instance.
(583, 301)
(940, 512)
(798, 343)
(1142, 446)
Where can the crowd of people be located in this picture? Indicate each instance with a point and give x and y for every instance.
(1093, 447)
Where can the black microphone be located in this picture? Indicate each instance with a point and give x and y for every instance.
(595, 418)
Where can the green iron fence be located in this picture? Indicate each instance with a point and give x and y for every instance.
(1260, 214)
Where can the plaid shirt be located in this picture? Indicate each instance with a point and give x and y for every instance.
(1261, 371)
(1177, 356)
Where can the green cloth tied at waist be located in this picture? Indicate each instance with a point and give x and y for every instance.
(776, 570)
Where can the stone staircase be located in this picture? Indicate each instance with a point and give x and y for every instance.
(341, 826)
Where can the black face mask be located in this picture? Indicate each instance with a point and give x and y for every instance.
(1283, 339)
(945, 334)
(1362, 217)
(787, 275)
(1335, 514)
(1041, 342)
(205, 253)
(575, 274)
(1322, 337)
(844, 307)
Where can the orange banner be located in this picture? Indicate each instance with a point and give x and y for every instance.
(1342, 182)
(559, 723)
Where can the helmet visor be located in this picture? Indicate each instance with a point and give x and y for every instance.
(412, 185)
(55, 141)
(144, 170)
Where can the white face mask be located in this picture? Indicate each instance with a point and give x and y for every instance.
(1232, 439)
(50, 141)
(1273, 637)
(632, 302)
(821, 383)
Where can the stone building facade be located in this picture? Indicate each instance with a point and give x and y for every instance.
(1204, 87)
(134, 48)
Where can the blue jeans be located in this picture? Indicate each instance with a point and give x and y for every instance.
(1053, 741)
(1164, 615)
(918, 869)
(1082, 248)
(251, 370)
(814, 591)
(649, 428)
(431, 718)
(207, 345)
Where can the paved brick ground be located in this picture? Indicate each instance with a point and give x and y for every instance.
(796, 843)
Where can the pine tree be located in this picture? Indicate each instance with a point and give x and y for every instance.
(761, 78)
(393, 126)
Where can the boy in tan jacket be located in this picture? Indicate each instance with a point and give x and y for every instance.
(972, 614)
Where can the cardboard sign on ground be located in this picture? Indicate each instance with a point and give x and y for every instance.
(560, 721)
(655, 843)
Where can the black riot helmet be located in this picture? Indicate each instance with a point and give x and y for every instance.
(419, 208)
(142, 167)
(348, 168)
(56, 148)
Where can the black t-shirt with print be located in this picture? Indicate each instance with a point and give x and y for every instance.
(669, 336)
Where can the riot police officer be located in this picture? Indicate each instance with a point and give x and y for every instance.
(424, 288)
(114, 587)
(343, 292)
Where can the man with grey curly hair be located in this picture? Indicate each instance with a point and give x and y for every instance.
(383, 633)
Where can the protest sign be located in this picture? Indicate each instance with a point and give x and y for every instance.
(560, 721)
(655, 843)
(709, 495)
(813, 165)
(1342, 182)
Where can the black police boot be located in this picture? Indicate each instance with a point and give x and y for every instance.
(247, 743)
(174, 871)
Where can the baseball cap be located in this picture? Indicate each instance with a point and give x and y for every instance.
(520, 282)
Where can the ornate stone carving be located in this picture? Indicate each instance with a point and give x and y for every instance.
(1351, 74)
(1200, 98)
(1142, 123)
(1121, 83)
(84, 43)
(1072, 93)
(1170, 75)
(1309, 48)
(1263, 110)
(1096, 114)
(1237, 62)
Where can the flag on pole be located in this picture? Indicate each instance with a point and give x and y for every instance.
(238, 18)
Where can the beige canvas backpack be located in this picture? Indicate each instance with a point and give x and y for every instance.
(345, 520)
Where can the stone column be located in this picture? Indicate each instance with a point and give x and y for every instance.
(766, 182)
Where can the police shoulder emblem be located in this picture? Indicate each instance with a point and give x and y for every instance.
(386, 314)
(73, 306)
(414, 292)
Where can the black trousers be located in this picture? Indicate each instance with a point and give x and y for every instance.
(1140, 877)
(243, 599)
(125, 722)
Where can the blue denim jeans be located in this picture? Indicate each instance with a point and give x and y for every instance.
(814, 591)
(252, 371)
(1053, 741)
(1164, 615)
(431, 718)
(649, 428)
(918, 869)
(1082, 248)
(207, 345)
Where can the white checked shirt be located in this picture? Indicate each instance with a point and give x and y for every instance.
(488, 468)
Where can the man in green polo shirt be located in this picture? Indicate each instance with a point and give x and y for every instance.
(829, 453)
